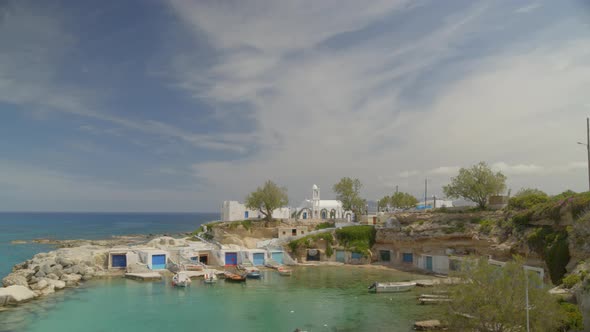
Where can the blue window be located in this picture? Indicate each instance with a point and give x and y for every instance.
(357, 255)
(246, 214)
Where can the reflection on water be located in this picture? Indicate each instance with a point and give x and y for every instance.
(313, 299)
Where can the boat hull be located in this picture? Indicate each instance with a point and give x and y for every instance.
(391, 287)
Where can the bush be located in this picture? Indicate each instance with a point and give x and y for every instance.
(357, 238)
(571, 280)
(557, 255)
(306, 242)
(486, 226)
(574, 319)
(323, 225)
(527, 198)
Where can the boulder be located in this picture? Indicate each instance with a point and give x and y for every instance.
(40, 274)
(15, 294)
(42, 283)
(52, 276)
(57, 284)
(64, 261)
(71, 280)
(15, 279)
(50, 289)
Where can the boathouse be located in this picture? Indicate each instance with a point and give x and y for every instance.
(255, 256)
(155, 259)
(117, 259)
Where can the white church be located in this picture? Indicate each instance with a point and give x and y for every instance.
(313, 208)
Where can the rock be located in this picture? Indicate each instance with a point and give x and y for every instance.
(15, 279)
(50, 289)
(40, 274)
(46, 268)
(68, 271)
(15, 294)
(71, 280)
(425, 325)
(52, 276)
(42, 283)
(64, 261)
(18, 242)
(57, 284)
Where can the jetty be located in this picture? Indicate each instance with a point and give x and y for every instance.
(144, 276)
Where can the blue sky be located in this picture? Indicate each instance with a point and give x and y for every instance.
(177, 105)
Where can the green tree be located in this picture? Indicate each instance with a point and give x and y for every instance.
(476, 184)
(348, 192)
(384, 202)
(403, 200)
(267, 198)
(493, 299)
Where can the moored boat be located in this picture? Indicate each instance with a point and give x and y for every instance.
(181, 279)
(284, 271)
(392, 287)
(210, 277)
(233, 277)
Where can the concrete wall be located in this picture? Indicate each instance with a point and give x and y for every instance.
(287, 232)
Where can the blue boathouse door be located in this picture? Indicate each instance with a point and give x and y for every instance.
(231, 258)
(340, 256)
(158, 262)
(119, 260)
(258, 258)
(277, 257)
(429, 263)
(407, 257)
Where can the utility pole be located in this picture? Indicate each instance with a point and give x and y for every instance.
(588, 147)
(526, 282)
(396, 188)
(425, 191)
(587, 144)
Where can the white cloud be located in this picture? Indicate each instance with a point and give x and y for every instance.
(407, 174)
(528, 8)
(445, 170)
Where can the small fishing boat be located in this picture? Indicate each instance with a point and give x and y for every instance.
(210, 277)
(392, 287)
(181, 279)
(233, 277)
(253, 274)
(284, 271)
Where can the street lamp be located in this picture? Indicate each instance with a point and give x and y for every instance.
(587, 144)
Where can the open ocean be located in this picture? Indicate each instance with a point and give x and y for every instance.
(312, 299)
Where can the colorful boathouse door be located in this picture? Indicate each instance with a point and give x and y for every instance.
(158, 262)
(258, 258)
(277, 257)
(231, 258)
(340, 256)
(429, 263)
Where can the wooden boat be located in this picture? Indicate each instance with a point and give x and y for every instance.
(284, 271)
(233, 277)
(392, 287)
(254, 274)
(210, 277)
(181, 279)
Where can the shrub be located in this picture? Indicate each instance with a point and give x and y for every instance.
(571, 280)
(526, 199)
(574, 319)
(323, 225)
(357, 238)
(306, 242)
(486, 226)
(557, 255)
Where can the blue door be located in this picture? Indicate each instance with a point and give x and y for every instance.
(340, 256)
(246, 215)
(231, 258)
(408, 257)
(119, 260)
(304, 215)
(277, 257)
(357, 255)
(158, 262)
(429, 263)
(258, 258)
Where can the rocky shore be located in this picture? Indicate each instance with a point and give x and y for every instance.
(74, 262)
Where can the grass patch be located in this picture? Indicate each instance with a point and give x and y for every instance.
(571, 280)
(323, 225)
(486, 226)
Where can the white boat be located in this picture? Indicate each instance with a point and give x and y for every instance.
(181, 279)
(392, 287)
(210, 277)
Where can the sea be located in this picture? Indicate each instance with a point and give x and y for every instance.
(311, 299)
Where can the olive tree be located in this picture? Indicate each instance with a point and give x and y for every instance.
(267, 198)
(476, 184)
(493, 299)
(348, 192)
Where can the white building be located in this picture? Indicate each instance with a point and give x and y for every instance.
(234, 210)
(316, 208)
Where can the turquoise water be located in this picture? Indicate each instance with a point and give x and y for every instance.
(312, 299)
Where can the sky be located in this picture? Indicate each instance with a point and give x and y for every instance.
(174, 105)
